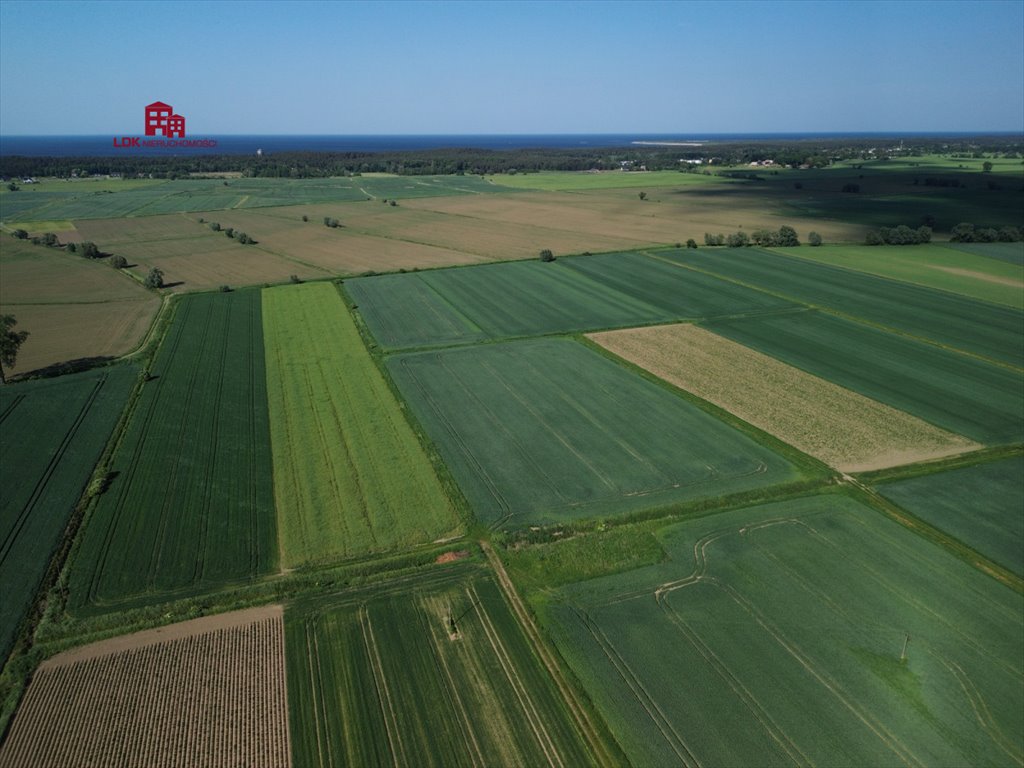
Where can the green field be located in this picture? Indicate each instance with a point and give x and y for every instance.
(1011, 253)
(983, 506)
(52, 433)
(548, 431)
(350, 477)
(502, 300)
(528, 298)
(380, 678)
(935, 266)
(959, 393)
(983, 329)
(190, 507)
(106, 198)
(575, 181)
(773, 636)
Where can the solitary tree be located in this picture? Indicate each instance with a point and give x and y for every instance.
(643, 195)
(155, 278)
(547, 255)
(119, 262)
(814, 238)
(986, 166)
(10, 342)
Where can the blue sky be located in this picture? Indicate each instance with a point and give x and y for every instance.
(513, 67)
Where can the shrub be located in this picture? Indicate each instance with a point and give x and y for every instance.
(547, 255)
(118, 262)
(215, 226)
(295, 279)
(814, 239)
(225, 289)
(72, 247)
(20, 234)
(691, 243)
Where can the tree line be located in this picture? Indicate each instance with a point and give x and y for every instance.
(308, 164)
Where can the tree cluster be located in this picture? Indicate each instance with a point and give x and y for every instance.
(784, 237)
(901, 235)
(966, 232)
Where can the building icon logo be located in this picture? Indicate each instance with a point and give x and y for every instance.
(161, 121)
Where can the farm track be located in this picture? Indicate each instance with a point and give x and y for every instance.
(576, 709)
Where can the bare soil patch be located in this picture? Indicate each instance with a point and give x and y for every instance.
(841, 428)
(979, 276)
(205, 692)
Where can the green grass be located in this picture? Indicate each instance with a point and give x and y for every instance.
(191, 508)
(575, 181)
(350, 477)
(965, 395)
(548, 431)
(983, 506)
(52, 433)
(773, 636)
(378, 678)
(984, 329)
(935, 266)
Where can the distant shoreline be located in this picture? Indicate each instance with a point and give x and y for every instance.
(236, 144)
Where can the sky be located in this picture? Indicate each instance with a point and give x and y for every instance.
(680, 67)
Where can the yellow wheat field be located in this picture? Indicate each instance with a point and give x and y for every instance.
(846, 430)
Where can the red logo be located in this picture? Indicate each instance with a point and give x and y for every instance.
(161, 120)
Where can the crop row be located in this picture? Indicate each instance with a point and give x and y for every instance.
(432, 675)
(216, 698)
(190, 505)
(51, 435)
(350, 476)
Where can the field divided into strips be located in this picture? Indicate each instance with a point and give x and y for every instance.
(383, 678)
(191, 506)
(52, 433)
(452, 306)
(350, 476)
(107, 199)
(959, 393)
(773, 636)
(1011, 253)
(989, 330)
(547, 431)
(935, 265)
(983, 506)
(838, 426)
(205, 692)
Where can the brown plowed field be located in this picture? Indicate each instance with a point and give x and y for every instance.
(209, 692)
(841, 428)
(72, 307)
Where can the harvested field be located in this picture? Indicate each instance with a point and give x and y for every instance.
(842, 428)
(669, 215)
(206, 692)
(73, 308)
(191, 255)
(350, 476)
(344, 250)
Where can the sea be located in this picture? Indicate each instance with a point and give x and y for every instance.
(105, 146)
